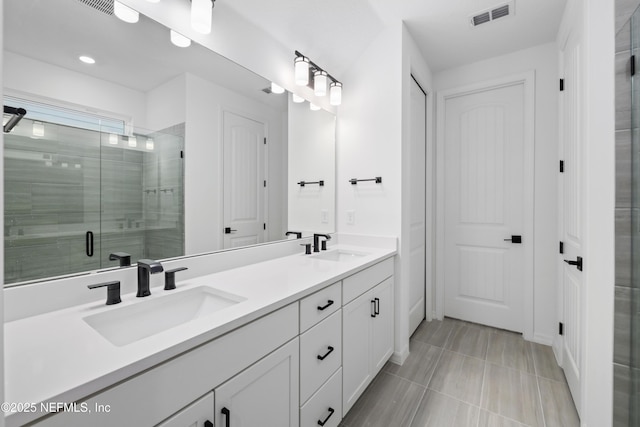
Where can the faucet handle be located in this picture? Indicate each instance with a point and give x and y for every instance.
(170, 278)
(307, 248)
(123, 257)
(113, 291)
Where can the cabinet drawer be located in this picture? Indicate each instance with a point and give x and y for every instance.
(320, 354)
(320, 305)
(325, 406)
(361, 282)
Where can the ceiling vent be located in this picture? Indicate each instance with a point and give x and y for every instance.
(104, 6)
(496, 12)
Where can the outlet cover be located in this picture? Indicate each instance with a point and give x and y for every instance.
(324, 216)
(351, 217)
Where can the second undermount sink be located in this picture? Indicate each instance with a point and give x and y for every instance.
(125, 325)
(339, 255)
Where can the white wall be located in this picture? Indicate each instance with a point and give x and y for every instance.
(542, 59)
(167, 104)
(311, 158)
(205, 105)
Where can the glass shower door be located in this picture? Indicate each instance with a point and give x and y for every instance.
(52, 200)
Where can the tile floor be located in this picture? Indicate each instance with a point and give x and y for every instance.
(467, 375)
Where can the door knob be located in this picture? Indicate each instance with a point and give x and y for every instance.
(577, 263)
(228, 230)
(514, 239)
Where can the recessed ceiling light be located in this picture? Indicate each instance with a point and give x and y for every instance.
(87, 59)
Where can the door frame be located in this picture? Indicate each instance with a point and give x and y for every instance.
(527, 79)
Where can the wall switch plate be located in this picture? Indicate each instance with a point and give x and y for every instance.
(324, 216)
(351, 217)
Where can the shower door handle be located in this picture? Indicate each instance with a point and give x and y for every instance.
(88, 241)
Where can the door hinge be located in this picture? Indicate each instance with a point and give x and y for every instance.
(265, 182)
(264, 225)
(181, 154)
(632, 64)
(560, 328)
(561, 85)
(265, 139)
(561, 247)
(561, 166)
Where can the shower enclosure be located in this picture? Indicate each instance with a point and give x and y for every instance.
(634, 330)
(75, 193)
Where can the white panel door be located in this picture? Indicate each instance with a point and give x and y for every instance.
(484, 274)
(417, 237)
(571, 220)
(244, 190)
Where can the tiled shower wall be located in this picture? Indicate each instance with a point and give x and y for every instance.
(622, 338)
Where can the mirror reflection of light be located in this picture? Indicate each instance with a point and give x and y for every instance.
(38, 129)
(297, 98)
(133, 142)
(313, 107)
(113, 139)
(180, 40)
(125, 13)
(276, 89)
(150, 144)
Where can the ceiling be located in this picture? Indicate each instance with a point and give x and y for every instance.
(335, 32)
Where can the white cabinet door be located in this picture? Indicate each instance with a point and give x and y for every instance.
(382, 329)
(198, 414)
(356, 348)
(266, 394)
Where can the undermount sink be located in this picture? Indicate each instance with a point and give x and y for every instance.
(125, 325)
(339, 255)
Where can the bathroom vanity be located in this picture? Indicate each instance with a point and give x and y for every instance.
(288, 341)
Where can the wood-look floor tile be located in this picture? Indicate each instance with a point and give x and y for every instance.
(459, 376)
(439, 410)
(420, 364)
(435, 332)
(557, 404)
(488, 419)
(469, 340)
(545, 362)
(510, 350)
(388, 401)
(512, 394)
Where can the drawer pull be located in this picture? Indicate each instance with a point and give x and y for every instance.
(377, 309)
(331, 411)
(373, 308)
(326, 354)
(227, 414)
(328, 304)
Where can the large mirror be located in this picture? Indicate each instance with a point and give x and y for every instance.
(154, 150)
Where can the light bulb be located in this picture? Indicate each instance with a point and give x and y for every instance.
(201, 11)
(38, 129)
(301, 70)
(297, 98)
(276, 89)
(313, 107)
(320, 83)
(150, 144)
(125, 13)
(335, 93)
(87, 59)
(180, 40)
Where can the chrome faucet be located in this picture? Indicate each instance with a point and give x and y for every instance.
(146, 267)
(316, 242)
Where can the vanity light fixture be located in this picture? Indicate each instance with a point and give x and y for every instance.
(335, 93)
(37, 130)
(201, 11)
(313, 107)
(87, 59)
(301, 70)
(125, 13)
(133, 141)
(180, 40)
(307, 73)
(276, 89)
(320, 83)
(297, 98)
(113, 139)
(150, 144)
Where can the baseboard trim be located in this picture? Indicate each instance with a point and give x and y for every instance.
(543, 339)
(399, 357)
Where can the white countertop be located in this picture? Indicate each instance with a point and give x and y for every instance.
(58, 357)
